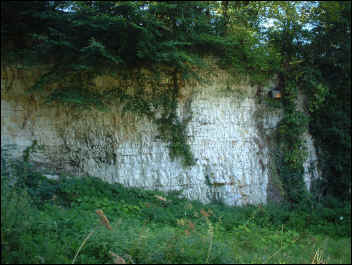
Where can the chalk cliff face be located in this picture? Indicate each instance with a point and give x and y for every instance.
(230, 134)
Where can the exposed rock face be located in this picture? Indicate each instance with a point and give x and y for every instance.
(230, 135)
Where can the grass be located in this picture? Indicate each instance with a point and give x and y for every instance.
(88, 221)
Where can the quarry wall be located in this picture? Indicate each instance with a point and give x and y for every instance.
(231, 134)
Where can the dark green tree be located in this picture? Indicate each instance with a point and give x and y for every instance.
(330, 55)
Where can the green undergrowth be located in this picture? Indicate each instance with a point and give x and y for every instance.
(55, 221)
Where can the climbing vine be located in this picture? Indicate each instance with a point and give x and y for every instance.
(148, 95)
(292, 148)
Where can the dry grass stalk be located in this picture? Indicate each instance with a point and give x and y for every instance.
(104, 220)
(130, 259)
(116, 258)
(204, 213)
(191, 225)
(318, 258)
(81, 246)
(211, 234)
(160, 198)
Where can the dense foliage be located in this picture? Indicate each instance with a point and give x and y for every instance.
(330, 54)
(308, 46)
(55, 221)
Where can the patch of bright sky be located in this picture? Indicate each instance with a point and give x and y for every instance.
(266, 23)
(270, 22)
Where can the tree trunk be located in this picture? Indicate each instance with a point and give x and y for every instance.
(225, 7)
